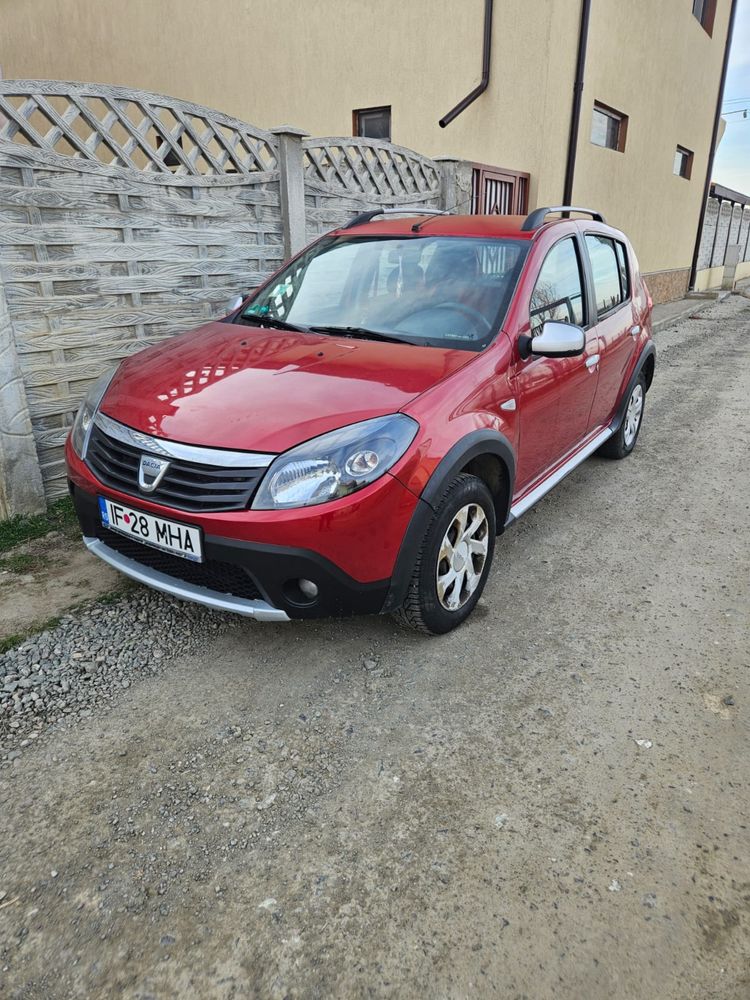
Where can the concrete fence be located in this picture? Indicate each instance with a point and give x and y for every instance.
(127, 217)
(725, 237)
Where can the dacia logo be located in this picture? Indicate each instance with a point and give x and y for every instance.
(151, 471)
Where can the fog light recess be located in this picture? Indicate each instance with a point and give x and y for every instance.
(301, 591)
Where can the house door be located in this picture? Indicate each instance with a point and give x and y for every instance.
(498, 192)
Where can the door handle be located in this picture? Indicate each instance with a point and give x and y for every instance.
(592, 362)
(635, 330)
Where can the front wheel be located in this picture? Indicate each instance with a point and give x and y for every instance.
(452, 565)
(622, 443)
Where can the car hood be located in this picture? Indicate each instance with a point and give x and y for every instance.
(248, 388)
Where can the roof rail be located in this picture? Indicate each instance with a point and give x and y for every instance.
(363, 217)
(535, 219)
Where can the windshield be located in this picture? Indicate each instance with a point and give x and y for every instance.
(428, 290)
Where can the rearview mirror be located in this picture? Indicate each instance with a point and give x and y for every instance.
(558, 340)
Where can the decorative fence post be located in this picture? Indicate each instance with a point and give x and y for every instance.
(292, 187)
(21, 486)
(455, 186)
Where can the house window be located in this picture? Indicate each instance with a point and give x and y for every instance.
(374, 123)
(683, 162)
(608, 127)
(705, 11)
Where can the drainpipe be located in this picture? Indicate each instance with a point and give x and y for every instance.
(712, 150)
(484, 82)
(575, 117)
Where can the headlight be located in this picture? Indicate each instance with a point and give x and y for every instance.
(335, 464)
(87, 412)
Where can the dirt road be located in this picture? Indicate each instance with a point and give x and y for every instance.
(551, 802)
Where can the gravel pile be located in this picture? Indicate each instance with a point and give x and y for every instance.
(94, 652)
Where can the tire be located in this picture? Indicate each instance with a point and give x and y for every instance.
(622, 443)
(426, 607)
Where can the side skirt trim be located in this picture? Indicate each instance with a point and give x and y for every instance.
(519, 508)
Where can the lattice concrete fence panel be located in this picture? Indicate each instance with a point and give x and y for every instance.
(344, 176)
(127, 217)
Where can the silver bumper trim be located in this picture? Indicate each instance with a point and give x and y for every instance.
(186, 591)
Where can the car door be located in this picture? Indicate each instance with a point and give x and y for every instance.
(616, 323)
(554, 395)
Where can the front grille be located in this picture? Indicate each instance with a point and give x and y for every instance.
(186, 485)
(223, 577)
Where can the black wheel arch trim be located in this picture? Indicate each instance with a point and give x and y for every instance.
(473, 445)
(649, 351)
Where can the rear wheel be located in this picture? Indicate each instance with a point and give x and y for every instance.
(622, 443)
(455, 557)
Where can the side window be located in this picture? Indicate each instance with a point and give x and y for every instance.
(606, 267)
(558, 293)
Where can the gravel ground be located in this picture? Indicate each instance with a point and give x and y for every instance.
(550, 802)
(90, 655)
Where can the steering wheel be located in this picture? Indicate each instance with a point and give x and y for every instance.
(471, 314)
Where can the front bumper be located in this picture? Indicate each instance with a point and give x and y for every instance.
(247, 577)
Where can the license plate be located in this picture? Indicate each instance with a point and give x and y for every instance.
(171, 536)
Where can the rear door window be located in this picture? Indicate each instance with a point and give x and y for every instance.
(558, 293)
(609, 271)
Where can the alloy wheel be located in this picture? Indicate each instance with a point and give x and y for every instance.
(633, 415)
(463, 553)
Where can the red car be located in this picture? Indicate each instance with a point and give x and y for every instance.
(352, 438)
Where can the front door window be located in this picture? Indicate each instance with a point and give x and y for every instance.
(558, 293)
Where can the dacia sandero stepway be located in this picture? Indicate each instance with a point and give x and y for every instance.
(354, 435)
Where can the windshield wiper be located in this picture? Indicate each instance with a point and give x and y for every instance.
(362, 332)
(272, 323)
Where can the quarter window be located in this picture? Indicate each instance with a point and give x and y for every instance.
(622, 263)
(374, 123)
(558, 293)
(608, 127)
(609, 270)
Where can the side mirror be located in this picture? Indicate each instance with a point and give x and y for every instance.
(557, 340)
(235, 304)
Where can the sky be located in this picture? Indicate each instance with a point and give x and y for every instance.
(732, 162)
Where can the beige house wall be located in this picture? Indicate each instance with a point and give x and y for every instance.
(666, 79)
(312, 63)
